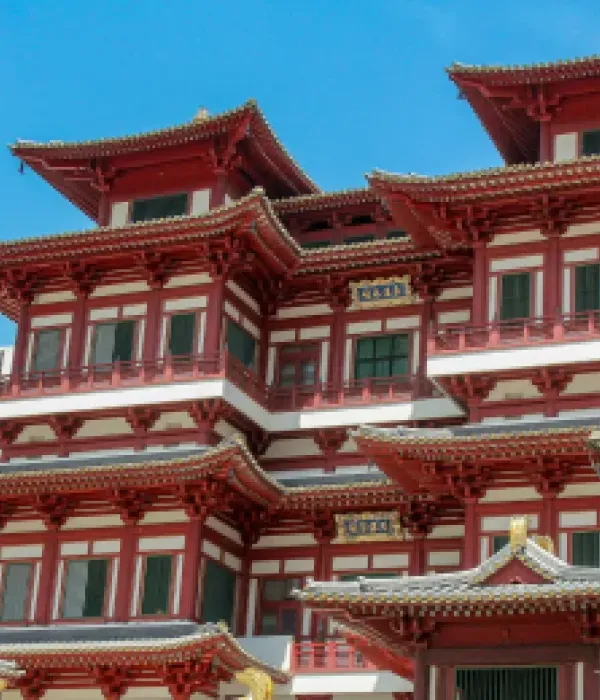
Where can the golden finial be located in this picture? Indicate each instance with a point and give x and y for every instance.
(545, 542)
(201, 115)
(518, 532)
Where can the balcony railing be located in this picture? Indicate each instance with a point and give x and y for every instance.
(327, 657)
(122, 375)
(501, 334)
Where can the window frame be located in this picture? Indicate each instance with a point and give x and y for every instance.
(298, 358)
(62, 349)
(140, 584)
(237, 593)
(170, 193)
(64, 560)
(570, 544)
(264, 606)
(573, 272)
(253, 367)
(29, 618)
(580, 137)
(167, 320)
(531, 272)
(409, 333)
(137, 343)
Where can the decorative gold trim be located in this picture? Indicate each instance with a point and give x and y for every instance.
(381, 292)
(349, 530)
(259, 683)
(545, 542)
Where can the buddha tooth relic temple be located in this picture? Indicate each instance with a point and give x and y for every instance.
(260, 440)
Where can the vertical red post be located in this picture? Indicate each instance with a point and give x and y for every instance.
(104, 210)
(337, 349)
(471, 548)
(417, 558)
(421, 684)
(244, 593)
(479, 317)
(552, 277)
(426, 329)
(18, 367)
(566, 681)
(188, 608)
(77, 344)
(152, 330)
(219, 189)
(214, 319)
(548, 521)
(126, 573)
(48, 582)
(323, 572)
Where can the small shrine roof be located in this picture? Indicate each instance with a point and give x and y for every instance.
(74, 646)
(248, 117)
(583, 67)
(560, 580)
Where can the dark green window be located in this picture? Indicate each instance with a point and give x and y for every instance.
(47, 350)
(315, 244)
(15, 594)
(381, 356)
(367, 238)
(516, 296)
(241, 344)
(114, 342)
(85, 588)
(218, 594)
(181, 335)
(586, 548)
(156, 597)
(159, 207)
(509, 683)
(390, 235)
(587, 287)
(499, 541)
(590, 143)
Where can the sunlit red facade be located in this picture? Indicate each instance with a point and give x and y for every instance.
(231, 362)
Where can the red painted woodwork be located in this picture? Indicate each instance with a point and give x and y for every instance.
(188, 606)
(125, 577)
(333, 656)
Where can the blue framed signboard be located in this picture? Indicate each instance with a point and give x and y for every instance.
(392, 291)
(368, 527)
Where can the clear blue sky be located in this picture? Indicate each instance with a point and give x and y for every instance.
(348, 85)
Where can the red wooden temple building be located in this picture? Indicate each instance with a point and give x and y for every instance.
(255, 435)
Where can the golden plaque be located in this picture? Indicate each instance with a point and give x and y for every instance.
(392, 291)
(368, 527)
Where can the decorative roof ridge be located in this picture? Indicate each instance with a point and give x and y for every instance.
(458, 67)
(519, 169)
(318, 488)
(203, 631)
(324, 196)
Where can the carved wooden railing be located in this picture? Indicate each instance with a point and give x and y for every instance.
(332, 656)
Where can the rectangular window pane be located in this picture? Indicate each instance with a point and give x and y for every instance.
(85, 588)
(219, 594)
(241, 344)
(590, 143)
(15, 591)
(113, 341)
(268, 623)
(586, 548)
(47, 351)
(157, 585)
(289, 621)
(381, 356)
(159, 207)
(279, 589)
(181, 337)
(287, 375)
(587, 288)
(309, 372)
(516, 291)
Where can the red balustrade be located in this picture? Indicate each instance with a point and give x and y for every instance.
(121, 375)
(453, 339)
(332, 656)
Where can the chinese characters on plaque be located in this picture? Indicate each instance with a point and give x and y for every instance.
(368, 527)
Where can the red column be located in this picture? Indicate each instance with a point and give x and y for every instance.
(426, 329)
(104, 210)
(417, 558)
(244, 593)
(47, 585)
(471, 541)
(21, 341)
(566, 681)
(421, 684)
(77, 344)
(545, 141)
(214, 318)
(552, 277)
(188, 608)
(323, 572)
(480, 275)
(217, 193)
(548, 524)
(126, 573)
(337, 348)
(152, 329)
